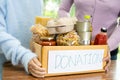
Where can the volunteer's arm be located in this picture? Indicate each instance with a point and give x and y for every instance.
(114, 39)
(65, 8)
(13, 50)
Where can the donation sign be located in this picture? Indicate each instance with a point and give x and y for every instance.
(65, 61)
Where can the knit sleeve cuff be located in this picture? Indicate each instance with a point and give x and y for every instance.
(27, 57)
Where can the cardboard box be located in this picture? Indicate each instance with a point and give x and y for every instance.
(66, 60)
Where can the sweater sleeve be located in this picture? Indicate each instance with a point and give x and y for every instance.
(11, 47)
(114, 39)
(65, 8)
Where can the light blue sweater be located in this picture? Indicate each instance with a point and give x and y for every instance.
(16, 18)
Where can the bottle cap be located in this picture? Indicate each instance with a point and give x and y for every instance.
(103, 29)
(87, 16)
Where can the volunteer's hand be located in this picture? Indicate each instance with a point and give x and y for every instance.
(107, 59)
(34, 67)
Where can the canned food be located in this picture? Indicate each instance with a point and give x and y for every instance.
(83, 26)
(85, 38)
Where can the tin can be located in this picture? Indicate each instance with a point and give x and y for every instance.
(85, 38)
(83, 26)
(84, 30)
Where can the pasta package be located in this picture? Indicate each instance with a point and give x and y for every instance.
(68, 39)
(38, 32)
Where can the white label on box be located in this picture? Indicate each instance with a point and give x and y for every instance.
(62, 61)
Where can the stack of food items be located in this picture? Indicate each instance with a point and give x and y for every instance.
(60, 32)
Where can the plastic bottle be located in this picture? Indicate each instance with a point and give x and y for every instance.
(87, 21)
(86, 34)
(101, 38)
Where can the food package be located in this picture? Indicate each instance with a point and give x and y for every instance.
(38, 31)
(68, 39)
(42, 20)
(61, 25)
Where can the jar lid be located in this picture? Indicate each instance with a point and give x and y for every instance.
(47, 38)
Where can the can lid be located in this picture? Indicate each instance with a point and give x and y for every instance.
(103, 29)
(47, 38)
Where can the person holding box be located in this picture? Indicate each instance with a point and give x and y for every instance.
(16, 17)
(103, 13)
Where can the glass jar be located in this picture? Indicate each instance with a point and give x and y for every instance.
(47, 41)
